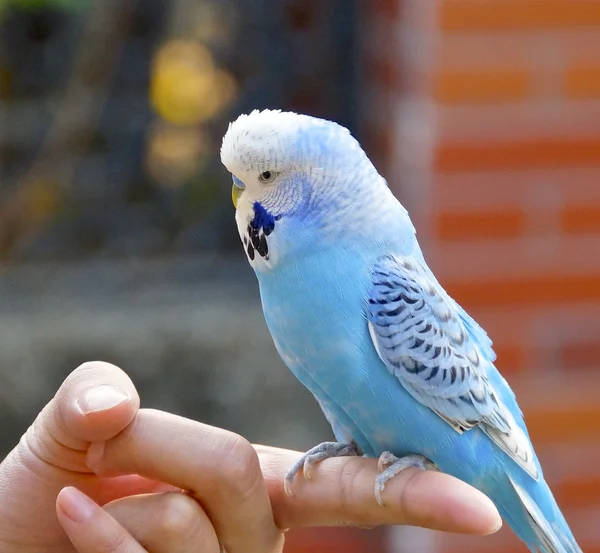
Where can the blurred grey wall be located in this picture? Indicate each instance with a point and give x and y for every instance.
(189, 331)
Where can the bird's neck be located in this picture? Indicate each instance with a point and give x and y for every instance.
(365, 213)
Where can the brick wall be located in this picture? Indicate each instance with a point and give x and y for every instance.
(491, 137)
(336, 540)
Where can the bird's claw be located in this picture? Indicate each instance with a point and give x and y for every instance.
(385, 459)
(307, 468)
(315, 455)
(389, 466)
(287, 485)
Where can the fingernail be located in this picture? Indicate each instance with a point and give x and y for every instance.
(100, 398)
(493, 511)
(484, 508)
(497, 525)
(75, 505)
(94, 456)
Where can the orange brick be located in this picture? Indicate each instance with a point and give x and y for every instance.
(334, 540)
(585, 355)
(495, 15)
(511, 358)
(578, 492)
(491, 86)
(580, 219)
(480, 225)
(582, 82)
(547, 289)
(543, 152)
(557, 422)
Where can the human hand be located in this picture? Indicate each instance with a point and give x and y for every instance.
(234, 498)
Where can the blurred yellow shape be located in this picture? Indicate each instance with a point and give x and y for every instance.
(186, 86)
(41, 198)
(175, 153)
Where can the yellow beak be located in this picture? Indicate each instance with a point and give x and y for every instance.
(236, 192)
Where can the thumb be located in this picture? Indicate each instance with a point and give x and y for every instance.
(95, 403)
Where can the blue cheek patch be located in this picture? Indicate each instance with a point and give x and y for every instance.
(261, 226)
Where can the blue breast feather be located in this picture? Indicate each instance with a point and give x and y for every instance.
(319, 326)
(318, 317)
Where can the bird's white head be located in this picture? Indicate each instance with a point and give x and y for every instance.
(296, 173)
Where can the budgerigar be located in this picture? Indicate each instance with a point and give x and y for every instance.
(400, 370)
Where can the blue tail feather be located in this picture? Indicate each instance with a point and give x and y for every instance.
(534, 516)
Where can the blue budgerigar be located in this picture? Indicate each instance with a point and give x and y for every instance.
(400, 370)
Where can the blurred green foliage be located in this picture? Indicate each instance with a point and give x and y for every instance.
(42, 3)
(37, 4)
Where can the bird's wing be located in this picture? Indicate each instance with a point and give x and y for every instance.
(434, 350)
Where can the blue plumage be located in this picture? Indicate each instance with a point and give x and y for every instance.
(355, 313)
(263, 220)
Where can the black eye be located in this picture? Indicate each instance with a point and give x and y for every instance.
(267, 176)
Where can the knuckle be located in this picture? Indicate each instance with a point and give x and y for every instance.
(351, 474)
(178, 515)
(240, 469)
(408, 493)
(118, 541)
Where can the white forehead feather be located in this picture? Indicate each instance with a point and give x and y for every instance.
(271, 140)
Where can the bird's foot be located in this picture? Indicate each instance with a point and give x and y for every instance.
(389, 466)
(315, 455)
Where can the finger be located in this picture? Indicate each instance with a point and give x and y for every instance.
(90, 528)
(105, 490)
(341, 492)
(94, 403)
(219, 468)
(166, 522)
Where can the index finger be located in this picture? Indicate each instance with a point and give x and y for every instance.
(219, 468)
(341, 492)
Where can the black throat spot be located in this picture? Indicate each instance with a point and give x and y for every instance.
(261, 226)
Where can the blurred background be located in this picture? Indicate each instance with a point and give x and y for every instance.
(117, 239)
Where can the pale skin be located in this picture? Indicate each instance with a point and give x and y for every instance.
(97, 474)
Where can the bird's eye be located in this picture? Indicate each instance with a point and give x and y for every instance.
(267, 176)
